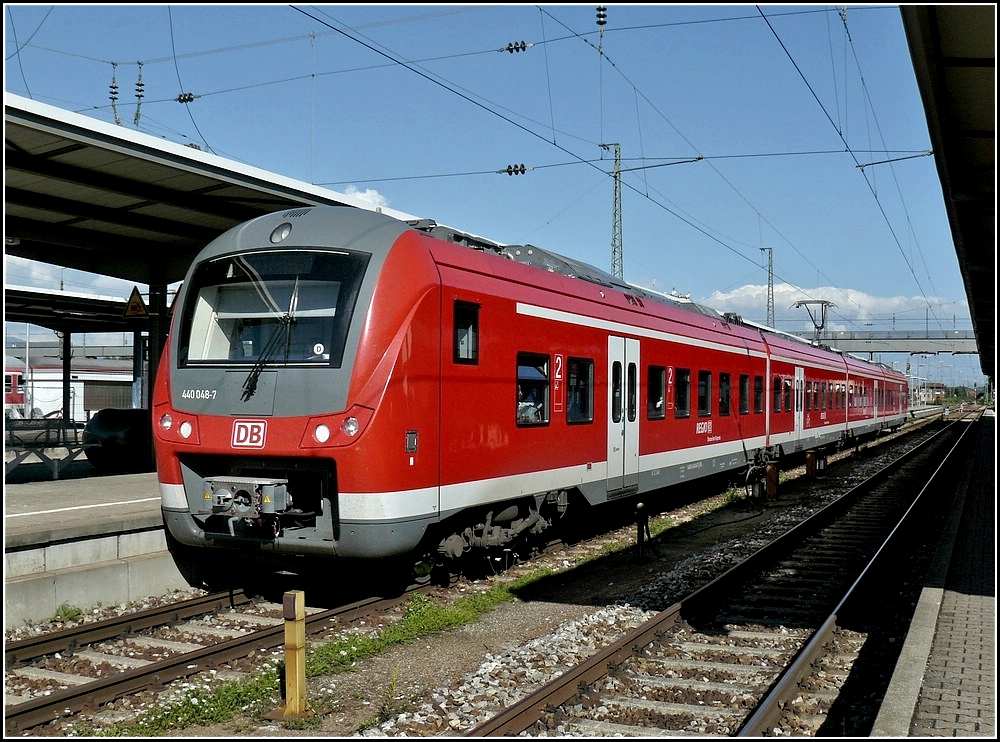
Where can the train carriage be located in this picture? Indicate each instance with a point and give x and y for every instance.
(341, 385)
(13, 387)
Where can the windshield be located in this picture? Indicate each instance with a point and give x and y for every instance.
(271, 308)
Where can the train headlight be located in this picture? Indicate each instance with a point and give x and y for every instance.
(185, 429)
(336, 429)
(166, 422)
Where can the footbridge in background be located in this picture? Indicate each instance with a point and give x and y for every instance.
(897, 341)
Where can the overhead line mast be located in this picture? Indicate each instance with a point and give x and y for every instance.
(770, 285)
(617, 266)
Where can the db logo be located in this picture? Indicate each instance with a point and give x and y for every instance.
(249, 433)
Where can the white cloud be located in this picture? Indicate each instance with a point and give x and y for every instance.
(369, 194)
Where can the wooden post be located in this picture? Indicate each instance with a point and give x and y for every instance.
(640, 531)
(772, 481)
(294, 609)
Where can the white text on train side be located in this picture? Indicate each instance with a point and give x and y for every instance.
(198, 394)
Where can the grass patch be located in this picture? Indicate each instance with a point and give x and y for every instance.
(67, 612)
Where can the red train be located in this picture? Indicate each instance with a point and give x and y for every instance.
(342, 385)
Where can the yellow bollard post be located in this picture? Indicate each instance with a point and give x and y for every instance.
(294, 610)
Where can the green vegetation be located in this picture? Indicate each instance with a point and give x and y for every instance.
(67, 612)
(389, 707)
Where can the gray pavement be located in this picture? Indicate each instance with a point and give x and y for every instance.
(958, 694)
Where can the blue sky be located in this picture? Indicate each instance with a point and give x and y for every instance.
(741, 127)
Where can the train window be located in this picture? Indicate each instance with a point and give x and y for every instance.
(580, 388)
(744, 394)
(787, 393)
(809, 395)
(822, 396)
(532, 389)
(271, 307)
(656, 387)
(466, 333)
(777, 394)
(8, 383)
(682, 395)
(633, 396)
(616, 392)
(704, 393)
(724, 393)
(758, 394)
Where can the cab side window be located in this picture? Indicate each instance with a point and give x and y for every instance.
(466, 345)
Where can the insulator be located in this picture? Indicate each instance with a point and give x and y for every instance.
(185, 97)
(602, 15)
(515, 169)
(516, 46)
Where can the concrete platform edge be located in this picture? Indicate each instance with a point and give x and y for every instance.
(35, 598)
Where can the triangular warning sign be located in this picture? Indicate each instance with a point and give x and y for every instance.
(135, 307)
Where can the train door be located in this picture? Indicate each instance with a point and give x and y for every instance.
(623, 415)
(799, 406)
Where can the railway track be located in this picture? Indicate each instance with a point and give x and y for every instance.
(63, 673)
(768, 646)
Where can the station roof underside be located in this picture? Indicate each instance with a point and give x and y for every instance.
(83, 194)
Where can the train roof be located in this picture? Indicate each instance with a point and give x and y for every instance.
(555, 263)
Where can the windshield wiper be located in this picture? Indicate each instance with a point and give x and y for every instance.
(284, 323)
(250, 385)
